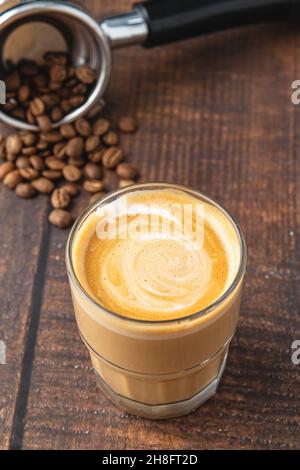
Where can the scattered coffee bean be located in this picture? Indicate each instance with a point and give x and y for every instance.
(92, 143)
(22, 162)
(112, 157)
(37, 107)
(71, 188)
(97, 197)
(100, 127)
(92, 171)
(43, 185)
(126, 171)
(44, 123)
(83, 127)
(75, 147)
(53, 175)
(127, 124)
(71, 173)
(60, 218)
(60, 198)
(12, 179)
(13, 144)
(29, 173)
(25, 190)
(37, 162)
(5, 168)
(93, 186)
(67, 130)
(85, 74)
(54, 163)
(110, 138)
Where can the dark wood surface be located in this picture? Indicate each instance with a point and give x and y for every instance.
(214, 113)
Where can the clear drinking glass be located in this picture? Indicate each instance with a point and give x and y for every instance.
(158, 369)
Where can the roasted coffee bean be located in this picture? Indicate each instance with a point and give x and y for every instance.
(25, 190)
(79, 89)
(92, 171)
(85, 74)
(43, 185)
(45, 153)
(12, 179)
(97, 197)
(63, 93)
(51, 100)
(96, 157)
(28, 151)
(5, 168)
(11, 157)
(54, 163)
(42, 145)
(44, 123)
(56, 57)
(60, 218)
(28, 138)
(52, 175)
(127, 124)
(92, 143)
(13, 144)
(93, 186)
(65, 106)
(112, 157)
(60, 149)
(83, 127)
(37, 162)
(71, 188)
(110, 138)
(101, 127)
(56, 114)
(40, 80)
(94, 111)
(126, 171)
(75, 147)
(52, 137)
(71, 173)
(22, 162)
(30, 117)
(58, 73)
(23, 93)
(60, 198)
(79, 162)
(37, 107)
(29, 173)
(124, 183)
(76, 101)
(67, 130)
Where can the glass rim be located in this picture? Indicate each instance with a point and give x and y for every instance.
(156, 185)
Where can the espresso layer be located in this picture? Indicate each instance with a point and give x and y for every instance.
(150, 268)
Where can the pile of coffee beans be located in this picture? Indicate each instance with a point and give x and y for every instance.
(60, 162)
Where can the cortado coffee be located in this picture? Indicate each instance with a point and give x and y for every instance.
(156, 273)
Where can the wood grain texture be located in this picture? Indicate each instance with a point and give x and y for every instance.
(214, 113)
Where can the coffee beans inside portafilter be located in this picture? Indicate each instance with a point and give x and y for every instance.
(59, 162)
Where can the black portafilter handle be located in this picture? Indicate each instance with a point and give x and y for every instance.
(173, 20)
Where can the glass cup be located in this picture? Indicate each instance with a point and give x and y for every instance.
(158, 369)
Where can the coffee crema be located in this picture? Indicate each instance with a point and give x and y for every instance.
(157, 271)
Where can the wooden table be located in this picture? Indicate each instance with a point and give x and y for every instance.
(214, 113)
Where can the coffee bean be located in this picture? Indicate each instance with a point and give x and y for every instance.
(22, 162)
(126, 171)
(30, 117)
(23, 93)
(12, 179)
(29, 173)
(100, 127)
(110, 138)
(93, 186)
(96, 157)
(83, 127)
(66, 106)
(124, 183)
(37, 162)
(92, 171)
(85, 74)
(75, 147)
(25, 190)
(97, 197)
(51, 100)
(5, 168)
(60, 198)
(37, 107)
(79, 89)
(58, 73)
(42, 145)
(71, 173)
(94, 111)
(52, 175)
(92, 143)
(71, 188)
(44, 123)
(28, 151)
(54, 163)
(79, 162)
(43, 185)
(60, 218)
(127, 124)
(51, 137)
(67, 130)
(59, 58)
(13, 144)
(13, 81)
(11, 157)
(112, 157)
(56, 114)
(59, 150)
(76, 101)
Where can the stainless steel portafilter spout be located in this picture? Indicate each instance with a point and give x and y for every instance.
(29, 28)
